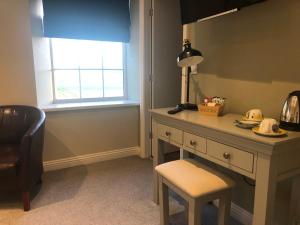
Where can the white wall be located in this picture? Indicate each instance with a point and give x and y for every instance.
(16, 62)
(252, 58)
(81, 132)
(133, 67)
(69, 133)
(41, 55)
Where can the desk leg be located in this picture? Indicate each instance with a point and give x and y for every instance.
(184, 154)
(265, 191)
(158, 158)
(294, 217)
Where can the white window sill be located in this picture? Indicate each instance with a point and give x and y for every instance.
(88, 105)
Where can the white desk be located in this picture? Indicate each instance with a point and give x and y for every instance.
(266, 160)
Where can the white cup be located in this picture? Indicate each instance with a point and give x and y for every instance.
(268, 126)
(254, 115)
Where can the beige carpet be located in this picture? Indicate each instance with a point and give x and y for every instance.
(115, 192)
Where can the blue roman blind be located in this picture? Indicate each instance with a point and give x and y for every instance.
(103, 20)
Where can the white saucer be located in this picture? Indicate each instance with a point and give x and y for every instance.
(249, 122)
(246, 119)
(246, 124)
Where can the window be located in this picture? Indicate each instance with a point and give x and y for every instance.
(87, 70)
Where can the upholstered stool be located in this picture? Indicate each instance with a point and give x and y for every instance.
(198, 185)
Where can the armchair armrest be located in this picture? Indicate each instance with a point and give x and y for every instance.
(31, 151)
(35, 126)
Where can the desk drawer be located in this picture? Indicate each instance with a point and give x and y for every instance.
(194, 142)
(233, 156)
(169, 133)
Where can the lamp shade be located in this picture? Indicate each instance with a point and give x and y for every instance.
(189, 56)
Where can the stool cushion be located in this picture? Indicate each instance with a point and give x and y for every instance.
(193, 178)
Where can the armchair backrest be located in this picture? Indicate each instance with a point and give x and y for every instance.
(16, 120)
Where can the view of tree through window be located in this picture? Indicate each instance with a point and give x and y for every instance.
(87, 69)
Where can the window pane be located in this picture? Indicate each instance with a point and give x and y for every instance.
(90, 55)
(87, 69)
(66, 84)
(91, 84)
(113, 83)
(112, 55)
(65, 53)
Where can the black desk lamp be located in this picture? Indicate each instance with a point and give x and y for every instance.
(189, 57)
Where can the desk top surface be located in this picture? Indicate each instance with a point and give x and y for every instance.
(225, 124)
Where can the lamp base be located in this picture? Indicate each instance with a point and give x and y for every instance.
(185, 106)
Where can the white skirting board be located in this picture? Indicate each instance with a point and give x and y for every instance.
(90, 158)
(238, 213)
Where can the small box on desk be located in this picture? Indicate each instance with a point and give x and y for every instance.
(216, 110)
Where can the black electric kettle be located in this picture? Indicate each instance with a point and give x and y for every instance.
(290, 118)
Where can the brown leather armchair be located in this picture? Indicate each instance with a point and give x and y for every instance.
(21, 145)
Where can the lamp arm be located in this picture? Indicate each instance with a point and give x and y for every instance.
(188, 84)
(184, 85)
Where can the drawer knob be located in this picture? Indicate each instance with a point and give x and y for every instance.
(168, 133)
(193, 143)
(226, 155)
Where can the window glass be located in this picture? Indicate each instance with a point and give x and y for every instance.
(91, 83)
(87, 69)
(67, 84)
(111, 60)
(113, 83)
(90, 55)
(65, 54)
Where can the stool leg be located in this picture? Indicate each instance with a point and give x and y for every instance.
(194, 212)
(224, 208)
(163, 202)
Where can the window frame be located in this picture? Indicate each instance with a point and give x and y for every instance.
(100, 99)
